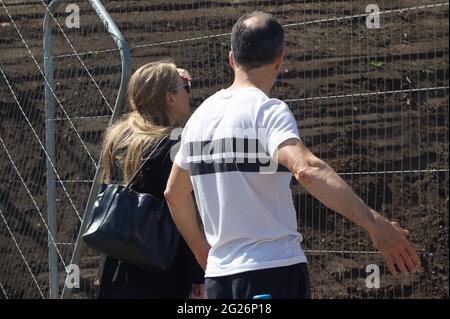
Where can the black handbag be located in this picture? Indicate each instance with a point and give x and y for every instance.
(133, 227)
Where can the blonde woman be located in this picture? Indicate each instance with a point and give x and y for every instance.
(158, 94)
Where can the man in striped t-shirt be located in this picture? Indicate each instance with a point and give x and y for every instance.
(237, 153)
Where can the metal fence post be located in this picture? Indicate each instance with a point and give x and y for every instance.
(51, 178)
(125, 75)
(126, 71)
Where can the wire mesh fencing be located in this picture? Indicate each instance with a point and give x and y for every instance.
(46, 184)
(366, 80)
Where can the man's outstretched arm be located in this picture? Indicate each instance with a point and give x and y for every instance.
(321, 181)
(182, 207)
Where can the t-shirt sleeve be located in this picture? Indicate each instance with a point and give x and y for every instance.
(181, 155)
(277, 124)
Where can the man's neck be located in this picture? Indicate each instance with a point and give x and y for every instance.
(260, 78)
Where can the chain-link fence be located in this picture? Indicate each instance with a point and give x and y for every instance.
(56, 100)
(367, 82)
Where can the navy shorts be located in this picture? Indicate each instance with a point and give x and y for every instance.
(290, 282)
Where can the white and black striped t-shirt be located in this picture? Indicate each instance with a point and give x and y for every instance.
(244, 197)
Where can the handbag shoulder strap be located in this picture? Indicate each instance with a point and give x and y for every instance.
(143, 163)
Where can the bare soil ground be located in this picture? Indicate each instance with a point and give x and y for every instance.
(371, 102)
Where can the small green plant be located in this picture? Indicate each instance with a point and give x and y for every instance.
(427, 71)
(376, 64)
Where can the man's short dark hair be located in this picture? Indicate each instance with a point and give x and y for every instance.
(256, 46)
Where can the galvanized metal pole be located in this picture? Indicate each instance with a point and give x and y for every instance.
(126, 72)
(51, 176)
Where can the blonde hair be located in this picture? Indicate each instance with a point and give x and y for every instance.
(125, 141)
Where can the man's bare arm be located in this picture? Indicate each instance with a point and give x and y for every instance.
(182, 207)
(321, 181)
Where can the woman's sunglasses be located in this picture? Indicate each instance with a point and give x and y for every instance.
(186, 86)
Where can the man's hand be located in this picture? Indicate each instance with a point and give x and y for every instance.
(197, 292)
(321, 181)
(391, 240)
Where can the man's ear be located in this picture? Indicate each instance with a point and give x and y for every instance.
(279, 60)
(231, 60)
